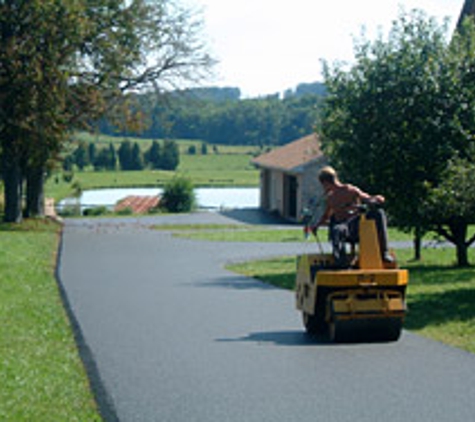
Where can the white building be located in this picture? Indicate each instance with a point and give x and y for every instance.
(289, 177)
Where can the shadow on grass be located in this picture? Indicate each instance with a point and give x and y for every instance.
(283, 281)
(30, 225)
(439, 308)
(441, 275)
(436, 294)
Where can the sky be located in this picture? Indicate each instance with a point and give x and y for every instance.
(268, 46)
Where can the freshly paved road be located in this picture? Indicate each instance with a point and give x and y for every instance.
(168, 334)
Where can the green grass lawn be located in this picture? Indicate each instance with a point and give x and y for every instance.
(103, 141)
(240, 233)
(41, 375)
(253, 233)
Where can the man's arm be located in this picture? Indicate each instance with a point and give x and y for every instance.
(367, 198)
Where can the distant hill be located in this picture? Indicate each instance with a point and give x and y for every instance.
(314, 88)
(221, 94)
(219, 116)
(213, 94)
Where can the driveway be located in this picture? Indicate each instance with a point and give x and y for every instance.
(167, 334)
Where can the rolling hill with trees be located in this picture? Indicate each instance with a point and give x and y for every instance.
(220, 116)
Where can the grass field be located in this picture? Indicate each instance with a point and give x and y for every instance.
(41, 374)
(58, 189)
(231, 167)
(253, 233)
(183, 144)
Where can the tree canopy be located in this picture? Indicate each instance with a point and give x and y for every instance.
(64, 62)
(401, 112)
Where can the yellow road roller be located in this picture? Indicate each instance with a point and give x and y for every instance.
(362, 303)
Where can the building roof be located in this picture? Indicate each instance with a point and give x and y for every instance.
(293, 156)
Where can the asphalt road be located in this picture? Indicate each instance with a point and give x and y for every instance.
(167, 334)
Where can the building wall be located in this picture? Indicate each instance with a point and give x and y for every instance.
(272, 191)
(308, 193)
(312, 191)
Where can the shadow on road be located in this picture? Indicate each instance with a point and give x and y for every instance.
(255, 216)
(280, 338)
(236, 283)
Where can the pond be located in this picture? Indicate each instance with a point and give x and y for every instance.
(207, 198)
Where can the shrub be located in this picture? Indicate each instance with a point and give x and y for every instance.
(70, 210)
(178, 196)
(96, 211)
(125, 211)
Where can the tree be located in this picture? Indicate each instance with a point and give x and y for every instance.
(136, 158)
(125, 155)
(468, 9)
(450, 206)
(64, 62)
(105, 159)
(400, 113)
(81, 156)
(178, 196)
(34, 38)
(111, 157)
(153, 155)
(170, 155)
(91, 152)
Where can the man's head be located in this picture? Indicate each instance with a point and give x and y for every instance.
(328, 175)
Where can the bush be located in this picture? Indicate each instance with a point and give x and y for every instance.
(96, 211)
(178, 196)
(70, 210)
(125, 211)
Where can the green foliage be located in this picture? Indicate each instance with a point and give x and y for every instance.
(136, 159)
(170, 158)
(178, 195)
(450, 206)
(125, 211)
(105, 158)
(125, 155)
(154, 156)
(81, 156)
(70, 210)
(96, 211)
(66, 62)
(454, 197)
(393, 120)
(259, 121)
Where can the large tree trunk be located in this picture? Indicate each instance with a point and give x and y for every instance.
(417, 244)
(462, 255)
(457, 235)
(35, 198)
(12, 179)
(459, 231)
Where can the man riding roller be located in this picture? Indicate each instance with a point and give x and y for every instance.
(342, 215)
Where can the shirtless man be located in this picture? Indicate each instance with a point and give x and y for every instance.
(341, 213)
